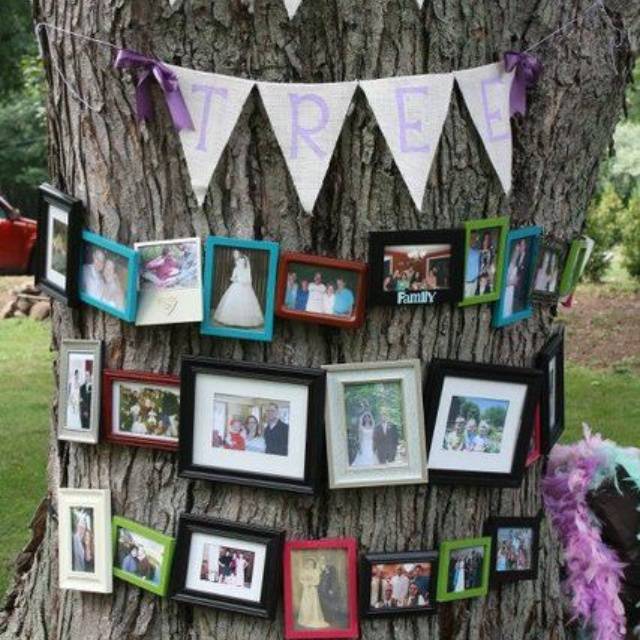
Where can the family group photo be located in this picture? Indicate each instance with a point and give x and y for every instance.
(139, 556)
(475, 424)
(82, 540)
(401, 586)
(321, 290)
(514, 549)
(229, 566)
(375, 424)
(482, 262)
(416, 268)
(465, 569)
(519, 269)
(79, 390)
(260, 425)
(104, 276)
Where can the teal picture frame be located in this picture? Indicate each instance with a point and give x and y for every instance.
(500, 318)
(207, 327)
(161, 589)
(446, 548)
(128, 314)
(476, 226)
(573, 267)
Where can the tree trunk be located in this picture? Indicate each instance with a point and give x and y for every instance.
(134, 184)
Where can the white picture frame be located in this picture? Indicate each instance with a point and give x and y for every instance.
(72, 402)
(353, 460)
(93, 508)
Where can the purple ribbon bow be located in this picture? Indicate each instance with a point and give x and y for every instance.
(528, 69)
(148, 69)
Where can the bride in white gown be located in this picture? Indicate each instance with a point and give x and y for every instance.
(366, 455)
(239, 305)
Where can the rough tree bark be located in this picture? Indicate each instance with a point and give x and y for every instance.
(134, 185)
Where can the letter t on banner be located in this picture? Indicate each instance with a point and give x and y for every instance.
(307, 120)
(411, 111)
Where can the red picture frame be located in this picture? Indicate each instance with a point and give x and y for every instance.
(536, 453)
(109, 378)
(352, 630)
(359, 268)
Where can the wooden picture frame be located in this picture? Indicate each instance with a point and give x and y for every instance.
(350, 627)
(548, 295)
(262, 541)
(306, 388)
(54, 206)
(448, 548)
(150, 537)
(112, 381)
(550, 361)
(418, 558)
(379, 240)
(334, 267)
(492, 528)
(458, 453)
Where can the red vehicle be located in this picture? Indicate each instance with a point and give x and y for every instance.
(17, 241)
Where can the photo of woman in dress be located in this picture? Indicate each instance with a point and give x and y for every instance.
(516, 292)
(481, 264)
(465, 569)
(310, 612)
(79, 391)
(547, 276)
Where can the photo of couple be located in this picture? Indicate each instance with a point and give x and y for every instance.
(465, 569)
(375, 424)
(547, 276)
(416, 268)
(227, 566)
(323, 290)
(79, 389)
(401, 586)
(104, 276)
(139, 556)
(82, 540)
(169, 266)
(481, 264)
(57, 258)
(260, 425)
(518, 281)
(475, 425)
(514, 549)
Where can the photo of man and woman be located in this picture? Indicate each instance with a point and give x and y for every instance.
(520, 254)
(374, 419)
(475, 425)
(482, 262)
(150, 411)
(139, 556)
(465, 569)
(547, 278)
(104, 276)
(401, 586)
(229, 566)
(321, 290)
(79, 389)
(416, 267)
(58, 244)
(514, 549)
(319, 589)
(83, 556)
(165, 266)
(260, 425)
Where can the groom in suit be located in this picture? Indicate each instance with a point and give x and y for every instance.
(385, 439)
(276, 433)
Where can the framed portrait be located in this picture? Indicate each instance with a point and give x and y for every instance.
(239, 288)
(546, 282)
(535, 445)
(170, 286)
(515, 302)
(550, 362)
(141, 409)
(398, 583)
(320, 599)
(574, 266)
(464, 569)
(479, 422)
(416, 267)
(485, 242)
(109, 276)
(375, 424)
(58, 244)
(253, 424)
(321, 290)
(227, 565)
(141, 556)
(514, 549)
(84, 545)
(79, 390)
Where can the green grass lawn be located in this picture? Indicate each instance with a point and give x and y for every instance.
(25, 393)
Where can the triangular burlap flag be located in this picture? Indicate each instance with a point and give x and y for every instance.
(292, 7)
(215, 103)
(307, 120)
(486, 91)
(411, 111)
(420, 3)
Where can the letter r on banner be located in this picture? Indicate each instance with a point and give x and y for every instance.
(298, 131)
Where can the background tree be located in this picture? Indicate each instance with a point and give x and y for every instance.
(134, 184)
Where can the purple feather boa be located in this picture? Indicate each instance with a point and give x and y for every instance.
(594, 571)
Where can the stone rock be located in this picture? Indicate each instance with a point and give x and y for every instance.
(7, 310)
(23, 305)
(19, 314)
(40, 310)
(31, 289)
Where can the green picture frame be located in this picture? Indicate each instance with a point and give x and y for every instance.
(446, 548)
(573, 267)
(471, 275)
(161, 588)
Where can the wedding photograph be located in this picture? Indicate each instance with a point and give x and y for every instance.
(83, 552)
(170, 282)
(79, 389)
(239, 287)
(546, 281)
(464, 569)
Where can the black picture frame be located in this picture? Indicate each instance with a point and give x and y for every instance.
(48, 195)
(561, 249)
(368, 560)
(491, 527)
(550, 433)
(378, 240)
(273, 539)
(438, 370)
(315, 455)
